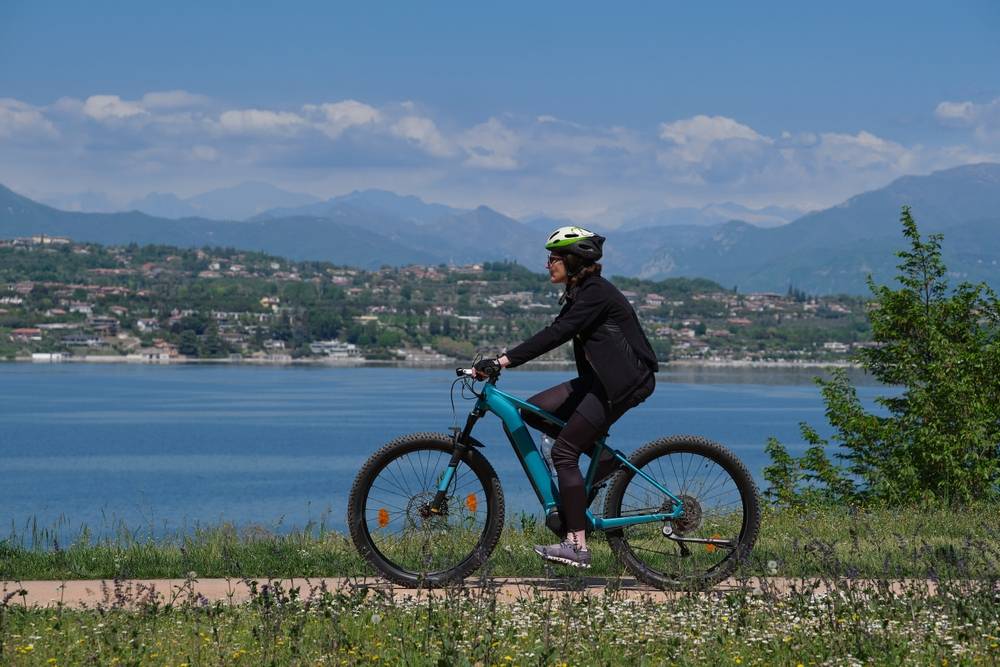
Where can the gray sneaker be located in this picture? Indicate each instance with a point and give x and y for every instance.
(566, 553)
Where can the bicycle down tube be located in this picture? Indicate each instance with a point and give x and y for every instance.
(505, 406)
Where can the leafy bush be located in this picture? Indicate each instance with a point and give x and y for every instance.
(940, 442)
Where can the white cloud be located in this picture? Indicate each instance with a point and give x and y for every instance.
(983, 119)
(534, 162)
(955, 112)
(423, 132)
(334, 118)
(491, 145)
(23, 121)
(111, 107)
(173, 99)
(694, 137)
(251, 121)
(205, 153)
(862, 150)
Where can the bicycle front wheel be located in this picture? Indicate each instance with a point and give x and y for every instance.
(718, 526)
(390, 522)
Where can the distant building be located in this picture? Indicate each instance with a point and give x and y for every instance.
(26, 335)
(424, 355)
(151, 355)
(335, 349)
(105, 325)
(43, 239)
(82, 340)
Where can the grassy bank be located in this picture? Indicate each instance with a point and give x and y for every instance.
(898, 542)
(281, 627)
(959, 625)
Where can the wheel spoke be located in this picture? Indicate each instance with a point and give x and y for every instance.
(399, 521)
(713, 510)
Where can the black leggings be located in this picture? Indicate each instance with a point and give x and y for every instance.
(583, 405)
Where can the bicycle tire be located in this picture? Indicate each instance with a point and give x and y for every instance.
(408, 576)
(618, 539)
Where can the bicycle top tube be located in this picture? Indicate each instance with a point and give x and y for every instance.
(491, 393)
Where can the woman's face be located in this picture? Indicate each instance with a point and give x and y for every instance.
(557, 269)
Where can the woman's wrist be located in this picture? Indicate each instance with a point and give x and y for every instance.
(503, 361)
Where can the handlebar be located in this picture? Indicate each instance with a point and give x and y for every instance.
(468, 372)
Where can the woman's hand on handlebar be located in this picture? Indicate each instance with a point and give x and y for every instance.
(485, 368)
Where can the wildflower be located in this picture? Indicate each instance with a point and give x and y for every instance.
(52, 661)
(376, 619)
(25, 649)
(772, 567)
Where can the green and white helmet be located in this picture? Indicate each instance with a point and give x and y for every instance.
(576, 241)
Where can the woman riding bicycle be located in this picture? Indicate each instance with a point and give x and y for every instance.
(616, 367)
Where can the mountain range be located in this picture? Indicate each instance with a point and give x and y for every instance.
(821, 252)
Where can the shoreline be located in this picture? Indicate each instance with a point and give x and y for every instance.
(390, 363)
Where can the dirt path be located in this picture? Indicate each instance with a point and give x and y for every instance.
(90, 593)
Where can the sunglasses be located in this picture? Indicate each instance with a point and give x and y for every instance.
(552, 259)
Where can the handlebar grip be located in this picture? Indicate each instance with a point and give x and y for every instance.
(464, 371)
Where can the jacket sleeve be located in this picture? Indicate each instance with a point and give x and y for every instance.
(586, 309)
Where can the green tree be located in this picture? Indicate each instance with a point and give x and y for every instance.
(940, 441)
(188, 344)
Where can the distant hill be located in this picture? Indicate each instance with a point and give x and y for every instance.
(237, 202)
(296, 237)
(832, 250)
(712, 214)
(382, 202)
(823, 252)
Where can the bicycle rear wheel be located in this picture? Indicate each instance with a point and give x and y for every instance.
(720, 504)
(390, 523)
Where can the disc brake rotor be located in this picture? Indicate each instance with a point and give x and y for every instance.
(419, 514)
(691, 518)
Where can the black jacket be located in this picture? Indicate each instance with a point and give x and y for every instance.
(608, 340)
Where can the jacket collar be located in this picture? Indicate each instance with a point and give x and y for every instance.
(570, 294)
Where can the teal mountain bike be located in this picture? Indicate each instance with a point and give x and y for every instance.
(427, 509)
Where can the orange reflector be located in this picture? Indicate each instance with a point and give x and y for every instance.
(710, 548)
(383, 518)
(471, 502)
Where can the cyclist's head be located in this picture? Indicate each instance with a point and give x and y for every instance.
(578, 248)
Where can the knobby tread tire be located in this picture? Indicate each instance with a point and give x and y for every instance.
(748, 493)
(376, 463)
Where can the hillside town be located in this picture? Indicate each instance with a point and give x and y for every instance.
(61, 300)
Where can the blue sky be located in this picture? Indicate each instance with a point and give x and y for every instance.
(576, 108)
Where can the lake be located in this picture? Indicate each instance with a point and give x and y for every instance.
(162, 449)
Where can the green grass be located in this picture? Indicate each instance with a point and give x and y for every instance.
(472, 626)
(316, 627)
(899, 542)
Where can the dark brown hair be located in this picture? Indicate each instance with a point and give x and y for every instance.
(589, 270)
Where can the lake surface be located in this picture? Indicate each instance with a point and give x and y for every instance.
(162, 449)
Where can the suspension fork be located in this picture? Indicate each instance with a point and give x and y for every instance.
(462, 444)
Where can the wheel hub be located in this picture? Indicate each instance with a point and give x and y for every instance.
(690, 519)
(420, 514)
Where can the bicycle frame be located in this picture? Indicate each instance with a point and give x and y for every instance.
(507, 408)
